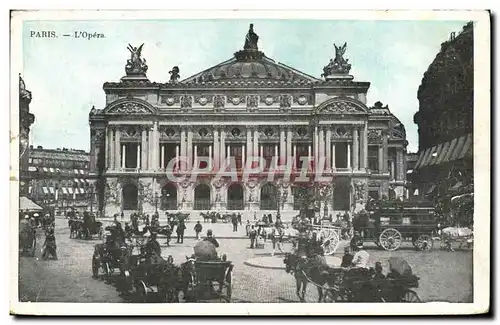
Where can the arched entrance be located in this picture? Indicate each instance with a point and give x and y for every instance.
(169, 197)
(129, 197)
(268, 197)
(235, 199)
(302, 197)
(202, 197)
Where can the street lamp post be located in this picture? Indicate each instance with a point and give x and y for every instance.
(156, 202)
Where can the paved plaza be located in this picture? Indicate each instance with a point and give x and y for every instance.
(444, 276)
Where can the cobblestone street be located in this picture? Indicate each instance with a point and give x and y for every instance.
(444, 276)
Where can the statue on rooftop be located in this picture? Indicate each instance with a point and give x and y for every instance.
(251, 40)
(339, 65)
(136, 64)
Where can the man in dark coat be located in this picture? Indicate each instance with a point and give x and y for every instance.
(198, 228)
(180, 232)
(49, 246)
(234, 221)
(253, 236)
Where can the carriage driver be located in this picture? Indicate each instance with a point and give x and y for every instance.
(152, 246)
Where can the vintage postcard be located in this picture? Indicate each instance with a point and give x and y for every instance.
(267, 162)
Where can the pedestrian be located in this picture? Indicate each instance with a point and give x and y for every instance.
(198, 228)
(180, 232)
(239, 218)
(253, 236)
(234, 220)
(122, 215)
(247, 228)
(49, 246)
(270, 218)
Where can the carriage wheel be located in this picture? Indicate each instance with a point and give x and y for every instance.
(228, 280)
(424, 243)
(142, 290)
(390, 239)
(330, 240)
(410, 296)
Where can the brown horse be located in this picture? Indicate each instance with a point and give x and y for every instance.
(307, 270)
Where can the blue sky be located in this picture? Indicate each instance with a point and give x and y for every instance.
(66, 75)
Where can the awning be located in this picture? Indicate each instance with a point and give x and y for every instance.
(32, 169)
(70, 190)
(82, 172)
(45, 190)
(457, 148)
(45, 169)
(51, 190)
(65, 190)
(82, 180)
(415, 192)
(51, 170)
(76, 171)
(409, 171)
(82, 191)
(76, 180)
(26, 204)
(58, 170)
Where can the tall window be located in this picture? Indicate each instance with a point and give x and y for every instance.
(236, 151)
(373, 158)
(341, 155)
(203, 150)
(302, 151)
(268, 154)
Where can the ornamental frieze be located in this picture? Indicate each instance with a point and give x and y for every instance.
(341, 107)
(132, 132)
(129, 108)
(203, 133)
(375, 136)
(301, 133)
(373, 184)
(359, 190)
(252, 102)
(168, 133)
(285, 102)
(268, 133)
(186, 101)
(98, 136)
(269, 99)
(219, 102)
(203, 100)
(302, 99)
(341, 132)
(236, 99)
(170, 100)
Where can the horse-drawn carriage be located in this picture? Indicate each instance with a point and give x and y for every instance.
(389, 223)
(85, 228)
(337, 284)
(209, 280)
(110, 256)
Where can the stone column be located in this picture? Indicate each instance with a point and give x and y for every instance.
(361, 148)
(321, 151)
(117, 156)
(256, 142)
(156, 146)
(386, 150)
(355, 149)
(177, 154)
(294, 157)
(400, 163)
(216, 149)
(222, 157)
(380, 158)
(333, 155)
(195, 156)
(249, 152)
(393, 177)
(183, 150)
(124, 152)
(282, 146)
(243, 156)
(109, 148)
(144, 163)
(328, 149)
(348, 155)
(309, 156)
(289, 153)
(315, 143)
(138, 162)
(365, 146)
(150, 148)
(190, 148)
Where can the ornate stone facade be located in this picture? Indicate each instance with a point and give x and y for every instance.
(254, 112)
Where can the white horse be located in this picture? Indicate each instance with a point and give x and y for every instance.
(455, 234)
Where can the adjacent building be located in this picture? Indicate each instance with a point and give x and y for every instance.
(60, 178)
(26, 119)
(149, 139)
(444, 167)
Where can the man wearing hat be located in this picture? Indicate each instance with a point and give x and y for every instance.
(361, 257)
(152, 246)
(206, 249)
